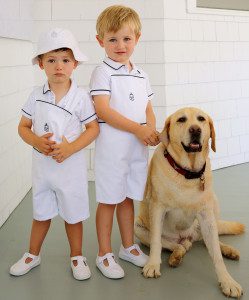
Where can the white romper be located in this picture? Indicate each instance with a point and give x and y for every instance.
(59, 188)
(120, 158)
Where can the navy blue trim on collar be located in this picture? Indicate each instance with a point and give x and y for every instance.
(113, 67)
(48, 90)
(54, 105)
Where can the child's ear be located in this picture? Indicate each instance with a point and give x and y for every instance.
(40, 63)
(76, 63)
(100, 41)
(138, 37)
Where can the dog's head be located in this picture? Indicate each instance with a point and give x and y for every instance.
(189, 128)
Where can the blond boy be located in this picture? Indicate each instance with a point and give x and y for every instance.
(121, 94)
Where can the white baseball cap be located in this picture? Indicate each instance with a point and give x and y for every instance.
(55, 39)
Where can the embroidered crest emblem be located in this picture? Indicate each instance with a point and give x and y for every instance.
(131, 97)
(46, 127)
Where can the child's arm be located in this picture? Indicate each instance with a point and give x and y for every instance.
(65, 149)
(42, 143)
(150, 116)
(151, 121)
(145, 134)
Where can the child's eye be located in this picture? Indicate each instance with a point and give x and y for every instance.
(51, 61)
(66, 60)
(112, 40)
(127, 39)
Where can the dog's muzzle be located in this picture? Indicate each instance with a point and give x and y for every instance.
(195, 136)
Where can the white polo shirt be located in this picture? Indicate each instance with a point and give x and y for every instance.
(59, 188)
(83, 113)
(110, 76)
(120, 158)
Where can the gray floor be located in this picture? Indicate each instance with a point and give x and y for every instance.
(194, 279)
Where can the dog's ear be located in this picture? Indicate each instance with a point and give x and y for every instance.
(164, 135)
(212, 134)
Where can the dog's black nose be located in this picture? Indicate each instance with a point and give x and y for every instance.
(195, 130)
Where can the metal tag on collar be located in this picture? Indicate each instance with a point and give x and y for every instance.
(202, 182)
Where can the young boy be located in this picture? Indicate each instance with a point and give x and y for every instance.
(121, 94)
(51, 123)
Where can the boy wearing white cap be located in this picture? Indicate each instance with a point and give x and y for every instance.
(51, 123)
(121, 94)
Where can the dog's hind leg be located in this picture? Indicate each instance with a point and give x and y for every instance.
(229, 252)
(178, 251)
(228, 227)
(177, 255)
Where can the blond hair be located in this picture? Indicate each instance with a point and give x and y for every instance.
(114, 17)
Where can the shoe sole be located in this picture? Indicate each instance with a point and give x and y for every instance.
(85, 278)
(126, 258)
(25, 272)
(108, 276)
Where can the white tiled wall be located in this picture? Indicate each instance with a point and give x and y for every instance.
(207, 65)
(16, 82)
(193, 59)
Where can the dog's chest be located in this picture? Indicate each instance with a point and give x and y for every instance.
(177, 220)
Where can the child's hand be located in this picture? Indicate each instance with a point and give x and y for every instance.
(61, 151)
(147, 135)
(43, 144)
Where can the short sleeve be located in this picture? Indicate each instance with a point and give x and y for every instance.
(87, 112)
(28, 109)
(148, 88)
(100, 83)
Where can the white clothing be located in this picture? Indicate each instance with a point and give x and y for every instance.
(59, 188)
(120, 158)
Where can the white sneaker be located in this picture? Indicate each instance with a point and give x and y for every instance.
(81, 271)
(138, 260)
(21, 268)
(113, 270)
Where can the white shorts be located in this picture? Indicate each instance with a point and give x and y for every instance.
(60, 188)
(121, 162)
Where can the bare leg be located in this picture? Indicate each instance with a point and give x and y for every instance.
(104, 221)
(125, 217)
(38, 234)
(75, 236)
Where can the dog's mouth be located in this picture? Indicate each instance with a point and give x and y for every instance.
(194, 146)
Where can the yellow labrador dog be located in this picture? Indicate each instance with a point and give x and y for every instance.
(179, 205)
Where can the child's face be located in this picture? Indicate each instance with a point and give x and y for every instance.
(58, 66)
(119, 45)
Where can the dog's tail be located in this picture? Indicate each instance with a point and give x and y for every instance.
(228, 227)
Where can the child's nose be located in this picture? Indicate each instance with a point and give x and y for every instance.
(120, 44)
(59, 65)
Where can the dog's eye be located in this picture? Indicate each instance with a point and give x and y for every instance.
(182, 120)
(201, 118)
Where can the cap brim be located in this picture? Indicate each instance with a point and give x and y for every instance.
(78, 55)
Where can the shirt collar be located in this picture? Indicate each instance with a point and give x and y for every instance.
(116, 65)
(69, 94)
(46, 88)
(71, 89)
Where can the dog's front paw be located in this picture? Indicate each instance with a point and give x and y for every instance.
(231, 288)
(151, 270)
